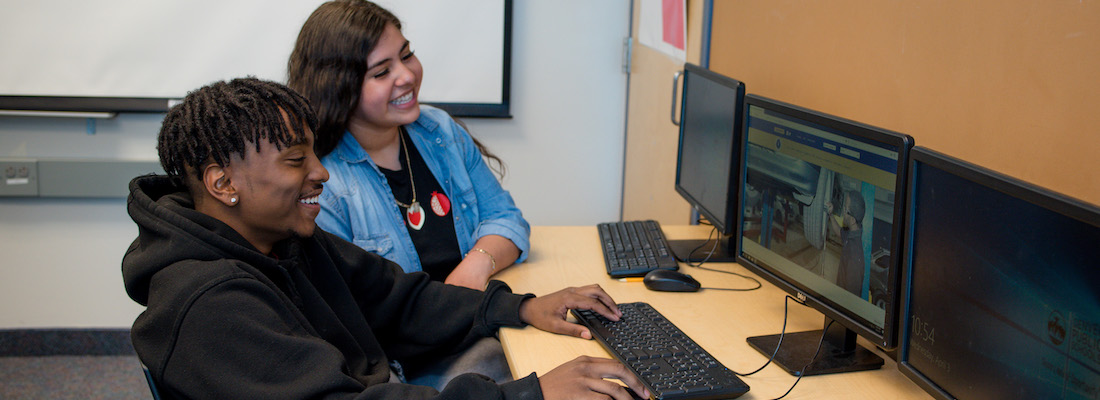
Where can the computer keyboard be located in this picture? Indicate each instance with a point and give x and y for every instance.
(633, 248)
(670, 364)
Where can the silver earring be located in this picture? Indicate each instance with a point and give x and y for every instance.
(233, 200)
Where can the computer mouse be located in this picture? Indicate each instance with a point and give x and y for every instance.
(666, 280)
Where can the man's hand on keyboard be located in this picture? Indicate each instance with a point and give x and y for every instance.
(549, 312)
(584, 378)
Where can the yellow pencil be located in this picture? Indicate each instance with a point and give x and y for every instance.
(631, 279)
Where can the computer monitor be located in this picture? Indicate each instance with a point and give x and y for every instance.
(1001, 297)
(821, 204)
(707, 158)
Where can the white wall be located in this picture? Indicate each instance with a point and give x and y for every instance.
(564, 146)
(60, 258)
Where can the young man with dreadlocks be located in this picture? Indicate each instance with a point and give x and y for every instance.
(246, 298)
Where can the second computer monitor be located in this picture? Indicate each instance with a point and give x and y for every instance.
(707, 157)
(822, 206)
(1002, 296)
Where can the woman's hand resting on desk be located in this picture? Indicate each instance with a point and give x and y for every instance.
(470, 273)
(549, 312)
(491, 254)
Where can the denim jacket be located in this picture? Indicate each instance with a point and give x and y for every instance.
(357, 203)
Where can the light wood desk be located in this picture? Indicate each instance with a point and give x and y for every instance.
(718, 320)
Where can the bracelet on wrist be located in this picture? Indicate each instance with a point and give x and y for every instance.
(492, 260)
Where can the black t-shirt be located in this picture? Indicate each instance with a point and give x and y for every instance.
(435, 240)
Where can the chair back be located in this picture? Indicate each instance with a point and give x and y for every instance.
(149, 379)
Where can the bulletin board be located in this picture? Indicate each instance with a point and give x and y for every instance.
(1010, 85)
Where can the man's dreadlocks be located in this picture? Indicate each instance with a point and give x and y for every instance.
(216, 121)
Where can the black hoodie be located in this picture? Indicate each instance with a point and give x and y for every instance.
(321, 319)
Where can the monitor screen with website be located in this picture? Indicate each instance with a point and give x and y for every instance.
(1001, 297)
(706, 161)
(821, 212)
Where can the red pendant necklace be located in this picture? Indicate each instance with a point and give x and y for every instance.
(414, 214)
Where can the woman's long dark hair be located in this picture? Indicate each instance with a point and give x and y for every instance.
(329, 61)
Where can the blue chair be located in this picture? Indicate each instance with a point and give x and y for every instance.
(149, 379)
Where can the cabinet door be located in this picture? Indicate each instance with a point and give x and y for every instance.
(651, 137)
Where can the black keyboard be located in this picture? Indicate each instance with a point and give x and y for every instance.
(633, 248)
(670, 364)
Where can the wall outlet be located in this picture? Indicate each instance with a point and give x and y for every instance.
(18, 177)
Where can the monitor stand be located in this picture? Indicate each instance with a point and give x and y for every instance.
(839, 352)
(695, 250)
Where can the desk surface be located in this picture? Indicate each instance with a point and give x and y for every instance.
(563, 256)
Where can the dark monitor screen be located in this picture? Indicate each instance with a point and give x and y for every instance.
(820, 198)
(1002, 291)
(706, 162)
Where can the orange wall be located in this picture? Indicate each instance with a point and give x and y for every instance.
(1012, 85)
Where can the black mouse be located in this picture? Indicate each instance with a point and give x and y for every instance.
(666, 280)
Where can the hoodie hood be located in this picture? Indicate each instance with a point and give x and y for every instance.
(170, 230)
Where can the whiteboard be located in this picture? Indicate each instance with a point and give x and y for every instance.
(160, 50)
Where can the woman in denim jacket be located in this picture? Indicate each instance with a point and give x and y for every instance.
(407, 181)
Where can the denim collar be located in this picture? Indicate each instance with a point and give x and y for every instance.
(350, 151)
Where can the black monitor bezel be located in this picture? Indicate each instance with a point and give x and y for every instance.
(887, 339)
(1016, 188)
(727, 225)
